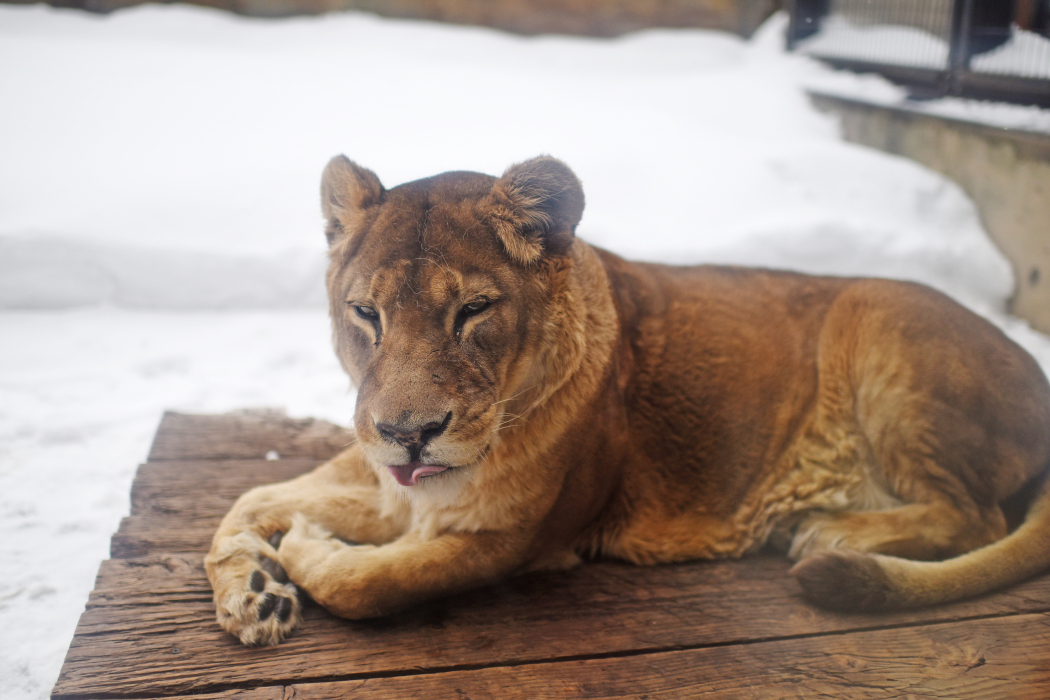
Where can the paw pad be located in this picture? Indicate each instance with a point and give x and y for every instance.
(270, 603)
(284, 608)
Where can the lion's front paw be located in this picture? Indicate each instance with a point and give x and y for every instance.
(305, 547)
(254, 599)
(325, 566)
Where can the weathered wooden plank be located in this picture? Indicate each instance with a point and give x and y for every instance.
(246, 435)
(267, 693)
(145, 535)
(149, 627)
(177, 505)
(980, 660)
(207, 486)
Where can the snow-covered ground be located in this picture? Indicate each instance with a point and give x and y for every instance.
(161, 242)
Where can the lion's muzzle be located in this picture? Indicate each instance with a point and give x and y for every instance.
(411, 434)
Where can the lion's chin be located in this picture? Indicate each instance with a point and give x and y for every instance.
(410, 474)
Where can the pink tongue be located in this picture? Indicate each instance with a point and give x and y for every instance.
(409, 474)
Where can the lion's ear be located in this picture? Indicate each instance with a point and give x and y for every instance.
(535, 207)
(347, 190)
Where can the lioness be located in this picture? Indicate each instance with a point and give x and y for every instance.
(525, 400)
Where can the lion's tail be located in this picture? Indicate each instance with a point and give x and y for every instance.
(857, 581)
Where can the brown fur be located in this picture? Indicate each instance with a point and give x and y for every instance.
(588, 406)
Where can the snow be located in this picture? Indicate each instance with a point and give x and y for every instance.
(996, 114)
(1026, 54)
(875, 90)
(161, 243)
(892, 44)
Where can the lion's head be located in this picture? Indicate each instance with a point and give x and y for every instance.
(446, 305)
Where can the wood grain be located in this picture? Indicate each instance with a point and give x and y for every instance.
(266, 693)
(206, 487)
(1001, 659)
(158, 612)
(177, 505)
(140, 536)
(246, 435)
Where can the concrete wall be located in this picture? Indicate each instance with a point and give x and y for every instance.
(1005, 172)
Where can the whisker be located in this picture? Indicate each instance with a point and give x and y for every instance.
(509, 418)
(496, 403)
(506, 424)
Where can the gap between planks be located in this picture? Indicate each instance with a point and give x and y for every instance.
(848, 664)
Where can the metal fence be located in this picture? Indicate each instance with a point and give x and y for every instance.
(997, 49)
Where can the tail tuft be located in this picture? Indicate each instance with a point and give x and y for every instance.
(845, 580)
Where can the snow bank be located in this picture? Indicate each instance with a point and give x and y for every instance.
(55, 272)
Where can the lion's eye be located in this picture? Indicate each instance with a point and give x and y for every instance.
(366, 312)
(474, 307)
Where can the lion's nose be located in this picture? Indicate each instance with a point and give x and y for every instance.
(413, 437)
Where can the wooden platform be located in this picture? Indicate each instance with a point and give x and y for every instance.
(605, 630)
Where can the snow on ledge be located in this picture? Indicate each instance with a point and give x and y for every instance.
(878, 91)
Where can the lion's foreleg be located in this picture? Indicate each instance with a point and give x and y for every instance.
(255, 601)
(361, 581)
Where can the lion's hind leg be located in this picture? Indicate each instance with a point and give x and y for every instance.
(847, 560)
(907, 511)
(923, 531)
(954, 416)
